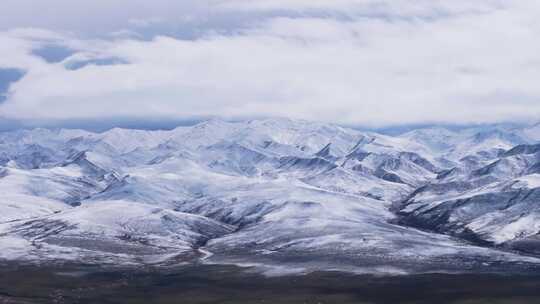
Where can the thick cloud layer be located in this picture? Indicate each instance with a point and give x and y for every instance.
(369, 62)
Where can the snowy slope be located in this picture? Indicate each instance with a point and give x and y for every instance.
(496, 204)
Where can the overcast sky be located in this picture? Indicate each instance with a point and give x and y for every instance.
(362, 62)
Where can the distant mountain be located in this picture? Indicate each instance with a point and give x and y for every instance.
(274, 193)
(532, 133)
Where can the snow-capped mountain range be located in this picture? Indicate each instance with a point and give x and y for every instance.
(275, 193)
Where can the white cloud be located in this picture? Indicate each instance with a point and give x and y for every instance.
(475, 62)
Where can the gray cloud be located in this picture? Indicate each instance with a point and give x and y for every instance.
(91, 17)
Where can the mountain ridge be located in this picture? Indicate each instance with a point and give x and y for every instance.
(273, 192)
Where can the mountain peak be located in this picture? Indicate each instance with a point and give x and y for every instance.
(214, 121)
